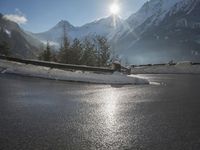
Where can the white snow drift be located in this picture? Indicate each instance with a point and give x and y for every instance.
(45, 72)
(179, 68)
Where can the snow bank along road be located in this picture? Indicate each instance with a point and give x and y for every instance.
(48, 114)
(78, 76)
(179, 68)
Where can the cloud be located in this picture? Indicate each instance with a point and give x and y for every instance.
(51, 43)
(16, 18)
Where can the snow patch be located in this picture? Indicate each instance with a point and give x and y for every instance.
(8, 33)
(155, 83)
(57, 74)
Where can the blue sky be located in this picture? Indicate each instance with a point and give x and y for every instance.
(41, 15)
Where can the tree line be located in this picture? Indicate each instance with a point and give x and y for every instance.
(90, 52)
(4, 45)
(5, 48)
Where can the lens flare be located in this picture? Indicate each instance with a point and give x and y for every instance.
(114, 9)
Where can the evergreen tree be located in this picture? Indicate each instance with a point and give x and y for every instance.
(89, 54)
(54, 56)
(103, 51)
(97, 53)
(75, 52)
(46, 54)
(4, 48)
(64, 54)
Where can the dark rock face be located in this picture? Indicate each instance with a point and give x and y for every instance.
(16, 39)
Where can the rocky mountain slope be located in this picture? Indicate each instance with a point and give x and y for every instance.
(162, 30)
(20, 44)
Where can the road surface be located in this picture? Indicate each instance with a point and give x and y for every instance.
(38, 114)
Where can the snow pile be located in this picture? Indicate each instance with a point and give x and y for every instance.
(180, 68)
(45, 72)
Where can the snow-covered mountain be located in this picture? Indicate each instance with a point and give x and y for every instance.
(160, 31)
(54, 34)
(105, 27)
(154, 9)
(151, 13)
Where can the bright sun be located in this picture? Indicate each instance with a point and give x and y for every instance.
(114, 9)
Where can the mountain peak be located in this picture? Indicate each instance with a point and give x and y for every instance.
(109, 21)
(109, 18)
(64, 23)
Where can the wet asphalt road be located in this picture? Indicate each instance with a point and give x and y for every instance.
(37, 114)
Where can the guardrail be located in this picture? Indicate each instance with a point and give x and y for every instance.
(150, 65)
(58, 65)
(195, 63)
(170, 64)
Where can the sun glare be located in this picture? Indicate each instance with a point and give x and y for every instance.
(114, 9)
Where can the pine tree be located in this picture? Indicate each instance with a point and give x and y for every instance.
(64, 54)
(54, 56)
(103, 51)
(75, 52)
(98, 53)
(46, 54)
(89, 54)
(4, 48)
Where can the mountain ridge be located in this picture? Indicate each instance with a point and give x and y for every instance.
(104, 27)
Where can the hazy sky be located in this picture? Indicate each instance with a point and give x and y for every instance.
(41, 15)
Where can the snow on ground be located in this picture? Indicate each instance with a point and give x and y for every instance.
(180, 68)
(45, 72)
(8, 33)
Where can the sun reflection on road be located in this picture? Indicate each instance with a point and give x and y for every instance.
(110, 108)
